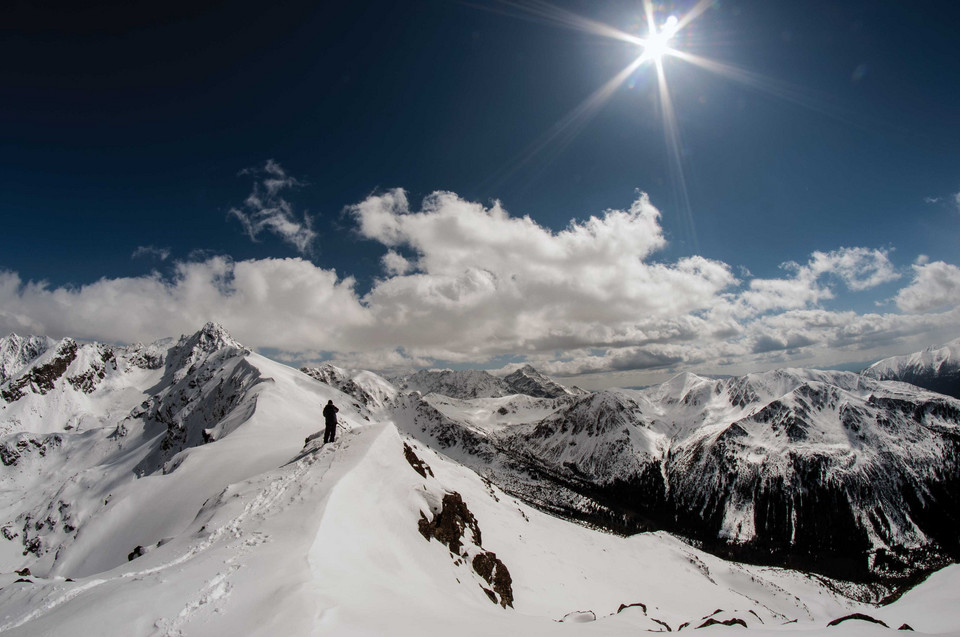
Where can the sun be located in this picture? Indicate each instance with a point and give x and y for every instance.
(657, 43)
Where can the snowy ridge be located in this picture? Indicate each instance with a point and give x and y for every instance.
(188, 502)
(16, 352)
(469, 383)
(373, 391)
(935, 368)
(531, 382)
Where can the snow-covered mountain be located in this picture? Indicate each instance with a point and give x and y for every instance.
(826, 471)
(17, 352)
(469, 383)
(935, 368)
(373, 391)
(177, 489)
(528, 380)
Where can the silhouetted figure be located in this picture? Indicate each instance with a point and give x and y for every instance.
(330, 418)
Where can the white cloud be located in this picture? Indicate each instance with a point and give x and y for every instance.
(858, 268)
(482, 281)
(935, 285)
(151, 252)
(282, 303)
(265, 210)
(463, 282)
(395, 263)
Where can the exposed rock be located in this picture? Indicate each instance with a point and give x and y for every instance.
(624, 607)
(905, 627)
(451, 523)
(859, 616)
(41, 378)
(450, 527)
(418, 465)
(17, 446)
(664, 624)
(139, 551)
(24, 572)
(488, 566)
(528, 380)
(734, 621)
(579, 617)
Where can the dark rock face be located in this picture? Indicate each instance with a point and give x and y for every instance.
(16, 447)
(857, 616)
(450, 527)
(531, 382)
(418, 465)
(488, 566)
(41, 378)
(733, 621)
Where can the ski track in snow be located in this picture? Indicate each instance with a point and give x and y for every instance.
(217, 589)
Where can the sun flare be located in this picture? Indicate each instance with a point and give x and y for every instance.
(657, 44)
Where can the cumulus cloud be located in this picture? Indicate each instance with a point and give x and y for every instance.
(857, 268)
(282, 303)
(465, 282)
(484, 281)
(266, 210)
(935, 285)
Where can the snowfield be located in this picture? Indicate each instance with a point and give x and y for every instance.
(185, 499)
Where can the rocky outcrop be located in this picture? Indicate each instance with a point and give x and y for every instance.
(455, 527)
(41, 378)
(528, 380)
(858, 617)
(206, 392)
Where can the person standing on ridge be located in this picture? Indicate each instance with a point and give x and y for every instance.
(330, 418)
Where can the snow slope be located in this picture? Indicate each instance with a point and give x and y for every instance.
(210, 509)
(935, 368)
(828, 471)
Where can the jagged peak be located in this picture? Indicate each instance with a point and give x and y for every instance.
(211, 337)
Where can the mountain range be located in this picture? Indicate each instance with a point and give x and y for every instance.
(180, 488)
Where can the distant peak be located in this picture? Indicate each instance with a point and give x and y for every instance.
(211, 337)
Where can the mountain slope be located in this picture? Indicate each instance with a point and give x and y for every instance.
(531, 382)
(825, 471)
(208, 508)
(470, 383)
(935, 368)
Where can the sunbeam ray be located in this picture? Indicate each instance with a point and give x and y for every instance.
(546, 13)
(566, 129)
(787, 91)
(672, 138)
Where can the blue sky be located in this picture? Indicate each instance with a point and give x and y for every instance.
(274, 168)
